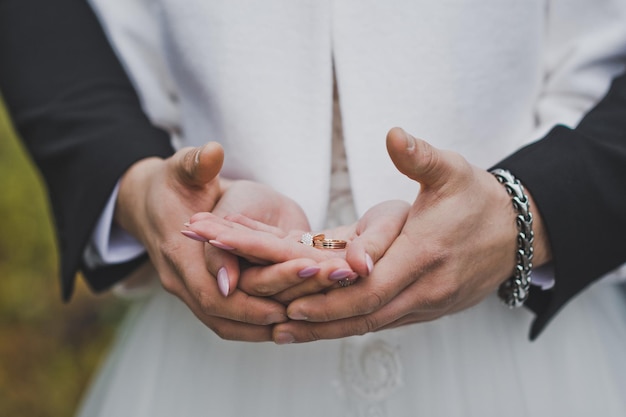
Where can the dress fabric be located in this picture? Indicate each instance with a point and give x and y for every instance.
(475, 363)
(481, 79)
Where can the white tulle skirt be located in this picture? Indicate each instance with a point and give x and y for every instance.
(475, 363)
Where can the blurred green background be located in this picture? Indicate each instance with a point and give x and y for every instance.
(48, 350)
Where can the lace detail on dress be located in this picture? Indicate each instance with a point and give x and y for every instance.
(370, 372)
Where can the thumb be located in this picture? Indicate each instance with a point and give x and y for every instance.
(196, 167)
(375, 232)
(419, 160)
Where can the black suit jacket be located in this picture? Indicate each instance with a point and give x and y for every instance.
(78, 115)
(80, 118)
(578, 181)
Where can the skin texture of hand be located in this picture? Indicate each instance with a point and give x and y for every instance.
(457, 246)
(280, 270)
(156, 198)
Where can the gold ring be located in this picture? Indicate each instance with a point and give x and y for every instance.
(329, 243)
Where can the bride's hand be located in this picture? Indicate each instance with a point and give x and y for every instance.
(281, 264)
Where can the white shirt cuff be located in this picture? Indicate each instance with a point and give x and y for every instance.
(543, 276)
(110, 244)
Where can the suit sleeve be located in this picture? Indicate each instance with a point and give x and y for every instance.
(577, 178)
(78, 115)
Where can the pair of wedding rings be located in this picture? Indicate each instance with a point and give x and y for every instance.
(319, 241)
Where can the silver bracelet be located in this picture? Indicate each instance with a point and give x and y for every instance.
(514, 291)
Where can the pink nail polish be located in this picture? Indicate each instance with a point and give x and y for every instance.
(222, 281)
(193, 235)
(340, 274)
(369, 263)
(220, 245)
(309, 271)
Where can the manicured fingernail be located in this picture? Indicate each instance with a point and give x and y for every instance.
(193, 235)
(339, 274)
(284, 338)
(222, 281)
(220, 245)
(369, 263)
(410, 141)
(309, 271)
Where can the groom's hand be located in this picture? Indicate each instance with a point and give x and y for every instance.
(156, 198)
(457, 246)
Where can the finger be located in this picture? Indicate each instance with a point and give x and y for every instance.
(300, 331)
(224, 266)
(265, 281)
(330, 273)
(368, 295)
(419, 160)
(208, 302)
(231, 330)
(196, 167)
(399, 311)
(375, 232)
(234, 330)
(254, 224)
(258, 244)
(187, 277)
(246, 320)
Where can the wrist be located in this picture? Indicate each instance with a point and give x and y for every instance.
(130, 211)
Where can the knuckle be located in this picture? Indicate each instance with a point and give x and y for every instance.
(443, 297)
(313, 334)
(263, 289)
(368, 324)
(206, 301)
(223, 332)
(168, 248)
(429, 159)
(372, 301)
(432, 258)
(169, 283)
(236, 218)
(245, 315)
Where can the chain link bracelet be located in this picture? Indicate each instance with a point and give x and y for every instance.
(514, 291)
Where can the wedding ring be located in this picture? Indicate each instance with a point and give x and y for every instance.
(345, 282)
(309, 239)
(329, 243)
(319, 241)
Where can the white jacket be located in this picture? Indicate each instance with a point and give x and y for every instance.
(480, 78)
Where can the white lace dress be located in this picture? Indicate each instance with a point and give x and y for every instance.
(475, 363)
